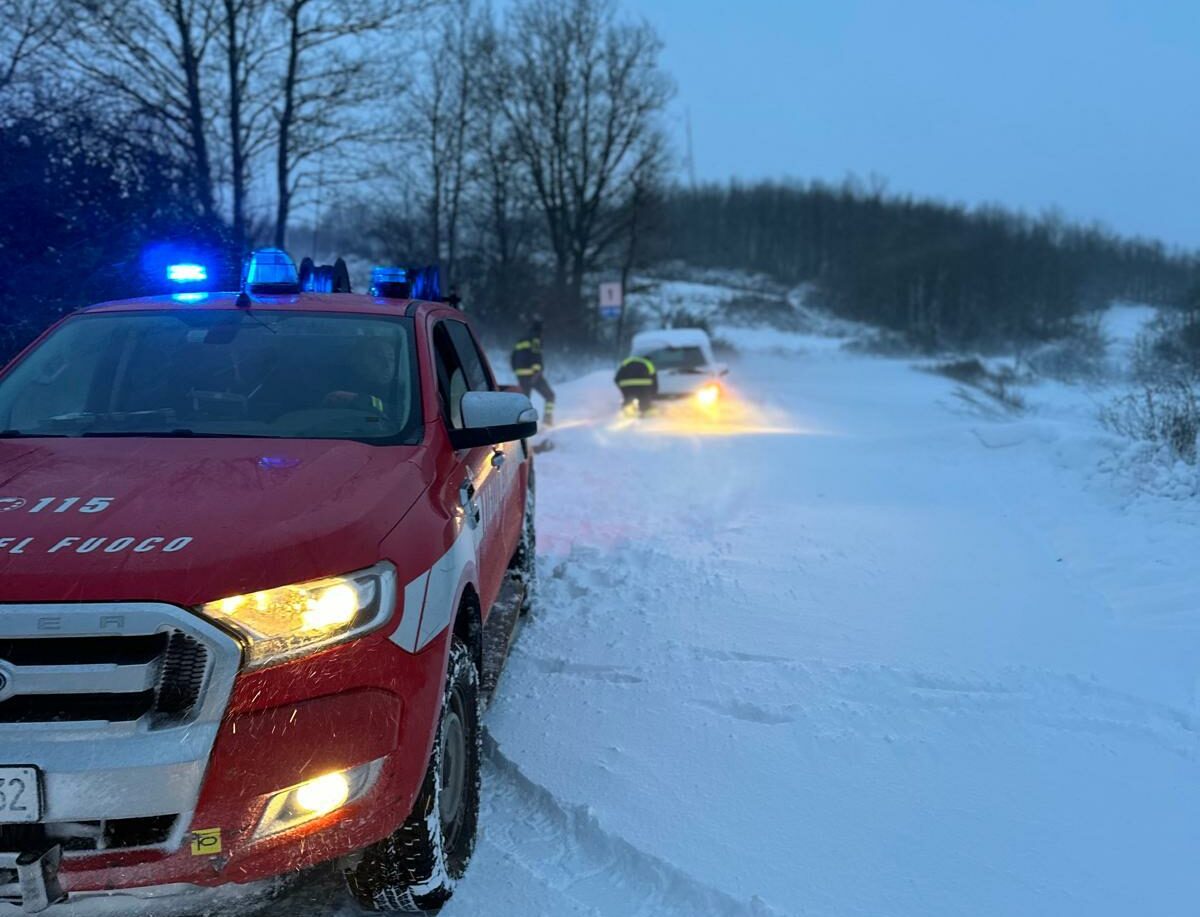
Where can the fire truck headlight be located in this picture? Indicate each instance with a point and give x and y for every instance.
(280, 624)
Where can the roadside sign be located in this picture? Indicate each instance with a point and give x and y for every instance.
(612, 298)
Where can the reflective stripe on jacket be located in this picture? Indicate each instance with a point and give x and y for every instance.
(636, 372)
(527, 357)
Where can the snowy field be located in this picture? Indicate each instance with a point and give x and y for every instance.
(902, 660)
(861, 650)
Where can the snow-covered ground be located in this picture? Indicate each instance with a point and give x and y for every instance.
(1121, 324)
(898, 659)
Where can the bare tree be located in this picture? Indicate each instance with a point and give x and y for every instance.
(27, 28)
(247, 48)
(502, 208)
(444, 106)
(582, 93)
(333, 68)
(151, 55)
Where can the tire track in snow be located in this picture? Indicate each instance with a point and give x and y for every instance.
(1053, 700)
(610, 673)
(566, 848)
(1021, 696)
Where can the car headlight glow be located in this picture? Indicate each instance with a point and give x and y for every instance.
(708, 396)
(280, 624)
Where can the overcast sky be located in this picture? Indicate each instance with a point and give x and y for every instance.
(1091, 106)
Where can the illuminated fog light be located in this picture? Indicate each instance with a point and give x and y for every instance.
(707, 397)
(323, 794)
(308, 801)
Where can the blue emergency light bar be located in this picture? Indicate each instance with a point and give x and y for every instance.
(390, 283)
(270, 271)
(187, 273)
(407, 283)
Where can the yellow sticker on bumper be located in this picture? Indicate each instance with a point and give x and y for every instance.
(206, 842)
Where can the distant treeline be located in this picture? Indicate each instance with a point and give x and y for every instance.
(940, 274)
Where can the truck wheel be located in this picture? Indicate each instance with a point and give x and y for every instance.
(416, 869)
(525, 562)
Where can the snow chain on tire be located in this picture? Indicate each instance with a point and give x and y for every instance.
(413, 871)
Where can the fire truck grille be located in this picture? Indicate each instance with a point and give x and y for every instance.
(72, 708)
(103, 679)
(80, 651)
(183, 672)
(89, 836)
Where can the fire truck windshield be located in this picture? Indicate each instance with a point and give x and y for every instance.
(219, 373)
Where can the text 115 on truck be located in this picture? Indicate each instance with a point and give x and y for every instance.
(262, 554)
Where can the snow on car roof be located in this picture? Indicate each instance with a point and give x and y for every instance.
(670, 337)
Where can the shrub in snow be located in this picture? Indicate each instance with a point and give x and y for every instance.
(1168, 348)
(1077, 357)
(999, 382)
(1165, 413)
(881, 342)
(755, 310)
(685, 318)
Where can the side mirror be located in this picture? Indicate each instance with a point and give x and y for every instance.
(492, 418)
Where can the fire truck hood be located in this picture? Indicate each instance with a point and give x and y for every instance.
(191, 520)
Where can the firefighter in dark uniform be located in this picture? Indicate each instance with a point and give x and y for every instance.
(374, 375)
(638, 381)
(527, 364)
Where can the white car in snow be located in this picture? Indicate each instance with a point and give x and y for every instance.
(683, 359)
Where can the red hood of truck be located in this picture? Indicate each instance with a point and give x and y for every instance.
(191, 520)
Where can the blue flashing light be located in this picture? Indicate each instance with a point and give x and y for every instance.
(270, 270)
(187, 273)
(182, 265)
(388, 275)
(390, 282)
(427, 283)
(189, 298)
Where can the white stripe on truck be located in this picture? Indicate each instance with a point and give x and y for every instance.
(429, 599)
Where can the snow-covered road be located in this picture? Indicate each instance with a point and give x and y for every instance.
(880, 656)
(904, 660)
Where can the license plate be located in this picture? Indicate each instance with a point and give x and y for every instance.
(20, 795)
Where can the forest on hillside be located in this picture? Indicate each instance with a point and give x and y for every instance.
(943, 275)
(525, 151)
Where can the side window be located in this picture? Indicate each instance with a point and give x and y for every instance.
(452, 378)
(478, 377)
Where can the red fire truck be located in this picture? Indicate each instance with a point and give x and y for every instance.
(262, 554)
